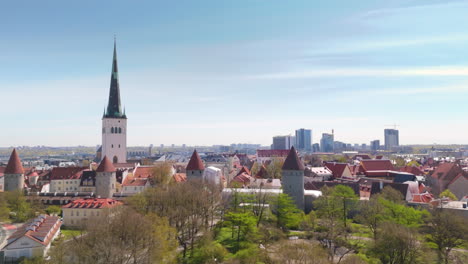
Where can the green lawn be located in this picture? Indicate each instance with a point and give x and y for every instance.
(67, 233)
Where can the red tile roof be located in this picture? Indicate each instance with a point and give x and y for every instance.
(105, 166)
(336, 168)
(195, 162)
(293, 162)
(413, 170)
(262, 173)
(131, 181)
(93, 203)
(243, 178)
(143, 172)
(272, 152)
(41, 229)
(14, 164)
(67, 173)
(244, 170)
(376, 165)
(179, 177)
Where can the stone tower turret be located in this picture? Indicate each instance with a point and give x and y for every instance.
(293, 178)
(105, 179)
(14, 173)
(195, 167)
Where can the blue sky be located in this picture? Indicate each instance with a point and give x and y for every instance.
(220, 72)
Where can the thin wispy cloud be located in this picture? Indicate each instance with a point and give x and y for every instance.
(412, 8)
(366, 72)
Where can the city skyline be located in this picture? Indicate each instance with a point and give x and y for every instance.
(353, 68)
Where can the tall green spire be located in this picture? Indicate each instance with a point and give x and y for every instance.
(114, 109)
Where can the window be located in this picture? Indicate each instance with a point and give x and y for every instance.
(112, 130)
(120, 130)
(112, 145)
(71, 213)
(78, 213)
(72, 222)
(92, 213)
(119, 145)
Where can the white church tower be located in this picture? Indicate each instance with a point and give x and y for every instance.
(114, 121)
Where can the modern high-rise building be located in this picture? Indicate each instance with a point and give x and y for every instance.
(283, 142)
(304, 139)
(391, 138)
(327, 142)
(114, 121)
(375, 145)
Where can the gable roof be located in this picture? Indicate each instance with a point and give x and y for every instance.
(14, 164)
(67, 173)
(40, 229)
(262, 173)
(195, 162)
(105, 166)
(373, 165)
(413, 170)
(337, 168)
(244, 169)
(292, 161)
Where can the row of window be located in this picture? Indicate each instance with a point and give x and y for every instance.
(116, 130)
(84, 213)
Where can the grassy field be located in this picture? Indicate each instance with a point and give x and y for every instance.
(68, 233)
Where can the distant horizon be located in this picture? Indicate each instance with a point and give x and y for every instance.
(209, 72)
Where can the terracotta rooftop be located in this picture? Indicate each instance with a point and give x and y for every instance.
(143, 172)
(195, 162)
(14, 164)
(244, 170)
(68, 173)
(41, 229)
(105, 166)
(93, 203)
(131, 181)
(336, 168)
(292, 161)
(373, 165)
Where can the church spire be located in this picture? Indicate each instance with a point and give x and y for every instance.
(114, 109)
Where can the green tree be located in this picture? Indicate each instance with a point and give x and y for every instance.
(446, 231)
(53, 209)
(346, 197)
(371, 214)
(396, 244)
(393, 195)
(274, 169)
(286, 212)
(255, 169)
(402, 214)
(243, 228)
(162, 173)
(18, 205)
(4, 210)
(447, 193)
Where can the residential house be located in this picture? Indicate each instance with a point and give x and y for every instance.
(33, 239)
(66, 179)
(77, 212)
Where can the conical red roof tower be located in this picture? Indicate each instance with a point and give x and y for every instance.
(195, 162)
(293, 162)
(105, 166)
(14, 164)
